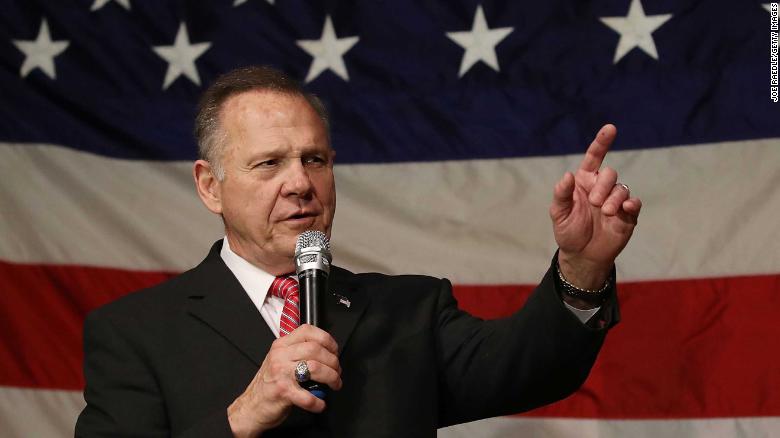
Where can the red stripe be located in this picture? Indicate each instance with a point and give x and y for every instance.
(291, 306)
(287, 326)
(685, 348)
(42, 310)
(290, 287)
(291, 320)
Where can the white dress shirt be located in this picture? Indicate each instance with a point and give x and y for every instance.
(256, 283)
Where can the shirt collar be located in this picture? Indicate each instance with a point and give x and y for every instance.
(254, 280)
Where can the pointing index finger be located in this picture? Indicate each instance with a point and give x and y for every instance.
(597, 150)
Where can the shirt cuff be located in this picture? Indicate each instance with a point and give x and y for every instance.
(583, 315)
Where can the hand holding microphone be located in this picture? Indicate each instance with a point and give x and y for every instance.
(312, 265)
(272, 392)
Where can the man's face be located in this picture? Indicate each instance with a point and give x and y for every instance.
(278, 176)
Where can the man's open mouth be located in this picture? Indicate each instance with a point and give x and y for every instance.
(301, 215)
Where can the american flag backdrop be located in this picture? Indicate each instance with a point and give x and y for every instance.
(452, 120)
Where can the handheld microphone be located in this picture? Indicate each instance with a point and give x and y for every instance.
(312, 265)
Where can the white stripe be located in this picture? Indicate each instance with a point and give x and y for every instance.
(63, 206)
(289, 287)
(290, 318)
(511, 427)
(39, 412)
(710, 210)
(49, 413)
(294, 305)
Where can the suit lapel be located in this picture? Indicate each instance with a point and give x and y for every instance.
(219, 300)
(343, 306)
(222, 303)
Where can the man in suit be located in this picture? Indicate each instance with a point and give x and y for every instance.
(212, 352)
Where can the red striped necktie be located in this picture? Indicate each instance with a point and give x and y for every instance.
(287, 289)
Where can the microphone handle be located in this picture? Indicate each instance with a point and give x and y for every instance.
(311, 283)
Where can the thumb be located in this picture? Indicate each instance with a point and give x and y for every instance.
(563, 198)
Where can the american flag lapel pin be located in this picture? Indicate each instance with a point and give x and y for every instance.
(343, 300)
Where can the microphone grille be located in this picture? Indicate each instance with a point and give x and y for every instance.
(312, 238)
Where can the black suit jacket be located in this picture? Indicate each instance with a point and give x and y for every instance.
(168, 360)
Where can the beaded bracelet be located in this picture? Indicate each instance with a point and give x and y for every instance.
(596, 297)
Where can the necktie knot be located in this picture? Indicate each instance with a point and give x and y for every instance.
(287, 289)
(284, 287)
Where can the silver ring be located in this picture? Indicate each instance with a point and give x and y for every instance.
(302, 373)
(624, 186)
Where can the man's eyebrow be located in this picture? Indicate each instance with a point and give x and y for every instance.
(268, 151)
(313, 148)
(281, 151)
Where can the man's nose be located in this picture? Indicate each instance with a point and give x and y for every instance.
(297, 181)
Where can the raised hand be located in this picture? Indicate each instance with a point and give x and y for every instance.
(593, 216)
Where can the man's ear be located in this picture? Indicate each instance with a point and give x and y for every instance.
(208, 186)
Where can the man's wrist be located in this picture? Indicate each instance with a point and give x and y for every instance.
(237, 422)
(583, 274)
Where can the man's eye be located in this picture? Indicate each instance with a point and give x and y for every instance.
(314, 159)
(267, 163)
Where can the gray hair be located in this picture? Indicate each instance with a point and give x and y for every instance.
(209, 134)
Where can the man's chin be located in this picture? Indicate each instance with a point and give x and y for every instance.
(293, 228)
(292, 232)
